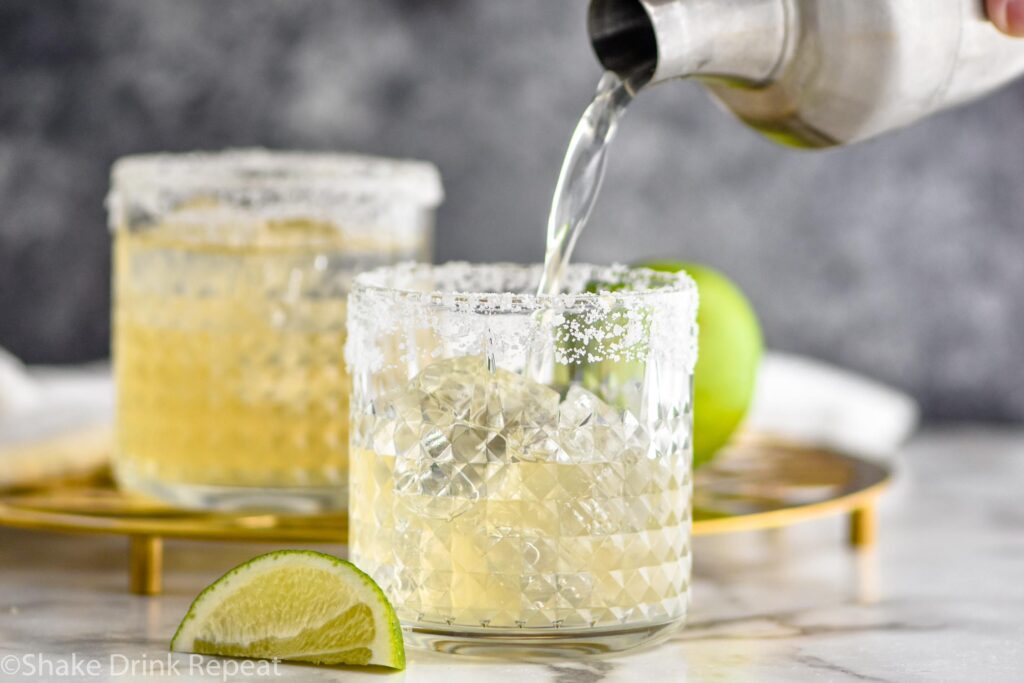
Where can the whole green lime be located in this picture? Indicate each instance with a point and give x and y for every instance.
(729, 353)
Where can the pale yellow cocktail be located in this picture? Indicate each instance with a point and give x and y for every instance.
(229, 335)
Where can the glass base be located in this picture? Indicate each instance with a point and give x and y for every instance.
(294, 500)
(537, 643)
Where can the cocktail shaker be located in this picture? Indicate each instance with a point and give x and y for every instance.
(811, 73)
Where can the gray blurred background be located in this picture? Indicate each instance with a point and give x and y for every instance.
(902, 258)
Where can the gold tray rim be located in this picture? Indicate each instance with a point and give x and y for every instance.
(146, 534)
(332, 528)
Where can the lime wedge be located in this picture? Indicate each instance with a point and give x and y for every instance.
(294, 605)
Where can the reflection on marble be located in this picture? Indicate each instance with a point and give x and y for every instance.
(940, 599)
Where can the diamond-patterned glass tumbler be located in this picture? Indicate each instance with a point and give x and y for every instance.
(230, 276)
(521, 464)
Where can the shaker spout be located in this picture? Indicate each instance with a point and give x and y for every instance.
(648, 41)
(623, 39)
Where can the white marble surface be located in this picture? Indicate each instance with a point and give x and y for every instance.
(940, 599)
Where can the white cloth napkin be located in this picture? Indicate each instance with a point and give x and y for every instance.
(17, 391)
(812, 402)
(53, 422)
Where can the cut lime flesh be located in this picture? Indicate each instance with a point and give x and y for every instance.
(294, 605)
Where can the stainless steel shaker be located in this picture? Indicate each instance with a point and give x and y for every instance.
(812, 73)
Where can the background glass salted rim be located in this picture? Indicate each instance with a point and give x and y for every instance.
(642, 285)
(409, 180)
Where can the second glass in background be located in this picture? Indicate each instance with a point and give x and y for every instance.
(230, 281)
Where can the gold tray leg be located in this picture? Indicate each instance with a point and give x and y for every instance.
(864, 526)
(146, 565)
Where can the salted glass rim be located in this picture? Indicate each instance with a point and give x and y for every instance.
(414, 181)
(645, 284)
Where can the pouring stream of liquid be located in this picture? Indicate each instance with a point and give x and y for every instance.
(580, 178)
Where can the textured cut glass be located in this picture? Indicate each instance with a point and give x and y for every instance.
(521, 464)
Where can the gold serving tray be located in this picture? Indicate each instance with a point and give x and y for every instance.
(758, 483)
